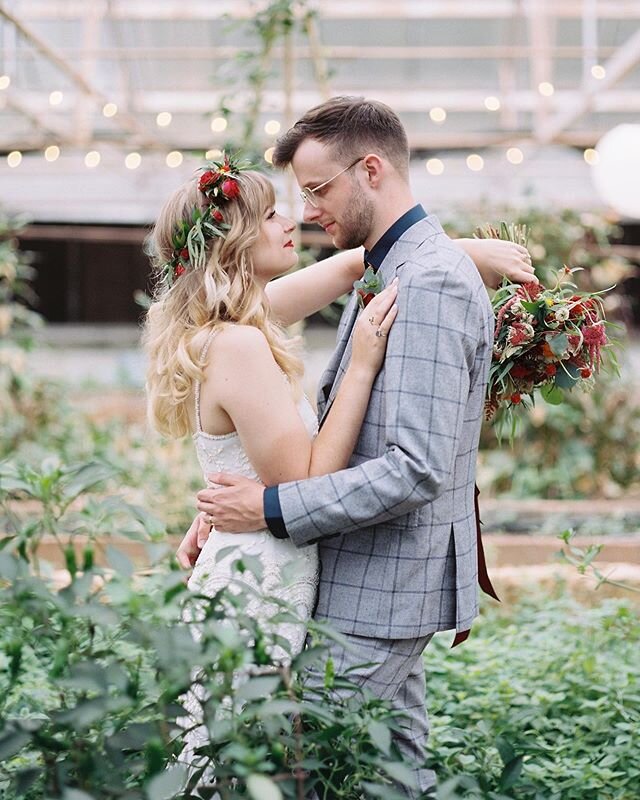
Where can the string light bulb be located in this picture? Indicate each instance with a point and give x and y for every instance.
(174, 159)
(434, 166)
(133, 161)
(14, 158)
(272, 127)
(475, 162)
(515, 155)
(109, 109)
(591, 156)
(438, 115)
(218, 124)
(52, 153)
(55, 98)
(92, 159)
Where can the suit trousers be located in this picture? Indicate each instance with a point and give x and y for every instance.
(393, 670)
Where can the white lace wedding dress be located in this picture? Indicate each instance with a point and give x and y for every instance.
(289, 574)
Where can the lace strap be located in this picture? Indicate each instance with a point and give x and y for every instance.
(203, 355)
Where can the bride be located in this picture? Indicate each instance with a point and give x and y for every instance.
(222, 368)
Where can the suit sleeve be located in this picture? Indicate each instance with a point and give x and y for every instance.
(428, 371)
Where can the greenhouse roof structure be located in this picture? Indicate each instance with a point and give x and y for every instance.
(149, 82)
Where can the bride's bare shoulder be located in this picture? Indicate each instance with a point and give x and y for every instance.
(240, 344)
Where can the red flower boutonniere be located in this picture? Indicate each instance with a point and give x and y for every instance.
(368, 286)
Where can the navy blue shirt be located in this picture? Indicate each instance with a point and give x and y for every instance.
(374, 257)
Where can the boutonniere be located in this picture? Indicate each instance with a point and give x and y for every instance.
(368, 286)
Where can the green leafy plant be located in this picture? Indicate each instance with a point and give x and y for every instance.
(542, 702)
(587, 447)
(94, 676)
(584, 560)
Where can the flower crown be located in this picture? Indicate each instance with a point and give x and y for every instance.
(219, 185)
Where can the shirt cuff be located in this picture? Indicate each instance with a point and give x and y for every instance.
(273, 512)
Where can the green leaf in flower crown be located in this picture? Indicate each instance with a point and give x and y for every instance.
(552, 394)
(532, 308)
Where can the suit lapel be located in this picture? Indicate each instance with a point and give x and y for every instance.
(330, 381)
(395, 258)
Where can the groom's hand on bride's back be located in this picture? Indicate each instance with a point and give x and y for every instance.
(234, 504)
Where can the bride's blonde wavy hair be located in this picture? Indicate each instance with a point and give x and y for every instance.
(182, 316)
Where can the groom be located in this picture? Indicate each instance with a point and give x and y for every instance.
(396, 531)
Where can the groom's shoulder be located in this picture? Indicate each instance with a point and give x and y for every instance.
(429, 253)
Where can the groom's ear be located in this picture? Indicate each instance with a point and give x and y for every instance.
(375, 168)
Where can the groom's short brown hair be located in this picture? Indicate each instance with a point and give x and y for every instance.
(351, 127)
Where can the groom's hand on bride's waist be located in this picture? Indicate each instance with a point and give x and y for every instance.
(234, 504)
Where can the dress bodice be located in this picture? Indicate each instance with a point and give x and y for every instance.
(225, 453)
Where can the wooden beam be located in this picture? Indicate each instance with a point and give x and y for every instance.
(127, 122)
(329, 9)
(540, 63)
(366, 51)
(462, 140)
(419, 99)
(85, 233)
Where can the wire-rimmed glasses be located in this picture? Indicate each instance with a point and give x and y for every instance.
(308, 195)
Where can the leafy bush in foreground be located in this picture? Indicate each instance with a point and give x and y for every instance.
(553, 689)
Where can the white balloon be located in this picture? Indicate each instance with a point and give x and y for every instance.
(616, 175)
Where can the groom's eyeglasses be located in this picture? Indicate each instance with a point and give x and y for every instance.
(308, 195)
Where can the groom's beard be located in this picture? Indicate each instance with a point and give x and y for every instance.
(356, 222)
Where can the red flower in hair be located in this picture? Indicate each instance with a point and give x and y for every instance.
(179, 270)
(207, 180)
(184, 253)
(230, 188)
(217, 215)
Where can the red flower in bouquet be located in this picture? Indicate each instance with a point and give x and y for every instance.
(546, 339)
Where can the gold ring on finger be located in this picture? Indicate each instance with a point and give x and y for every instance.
(209, 519)
(380, 333)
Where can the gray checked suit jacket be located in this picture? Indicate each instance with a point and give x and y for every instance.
(396, 530)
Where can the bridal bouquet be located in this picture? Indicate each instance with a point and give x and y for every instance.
(547, 339)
